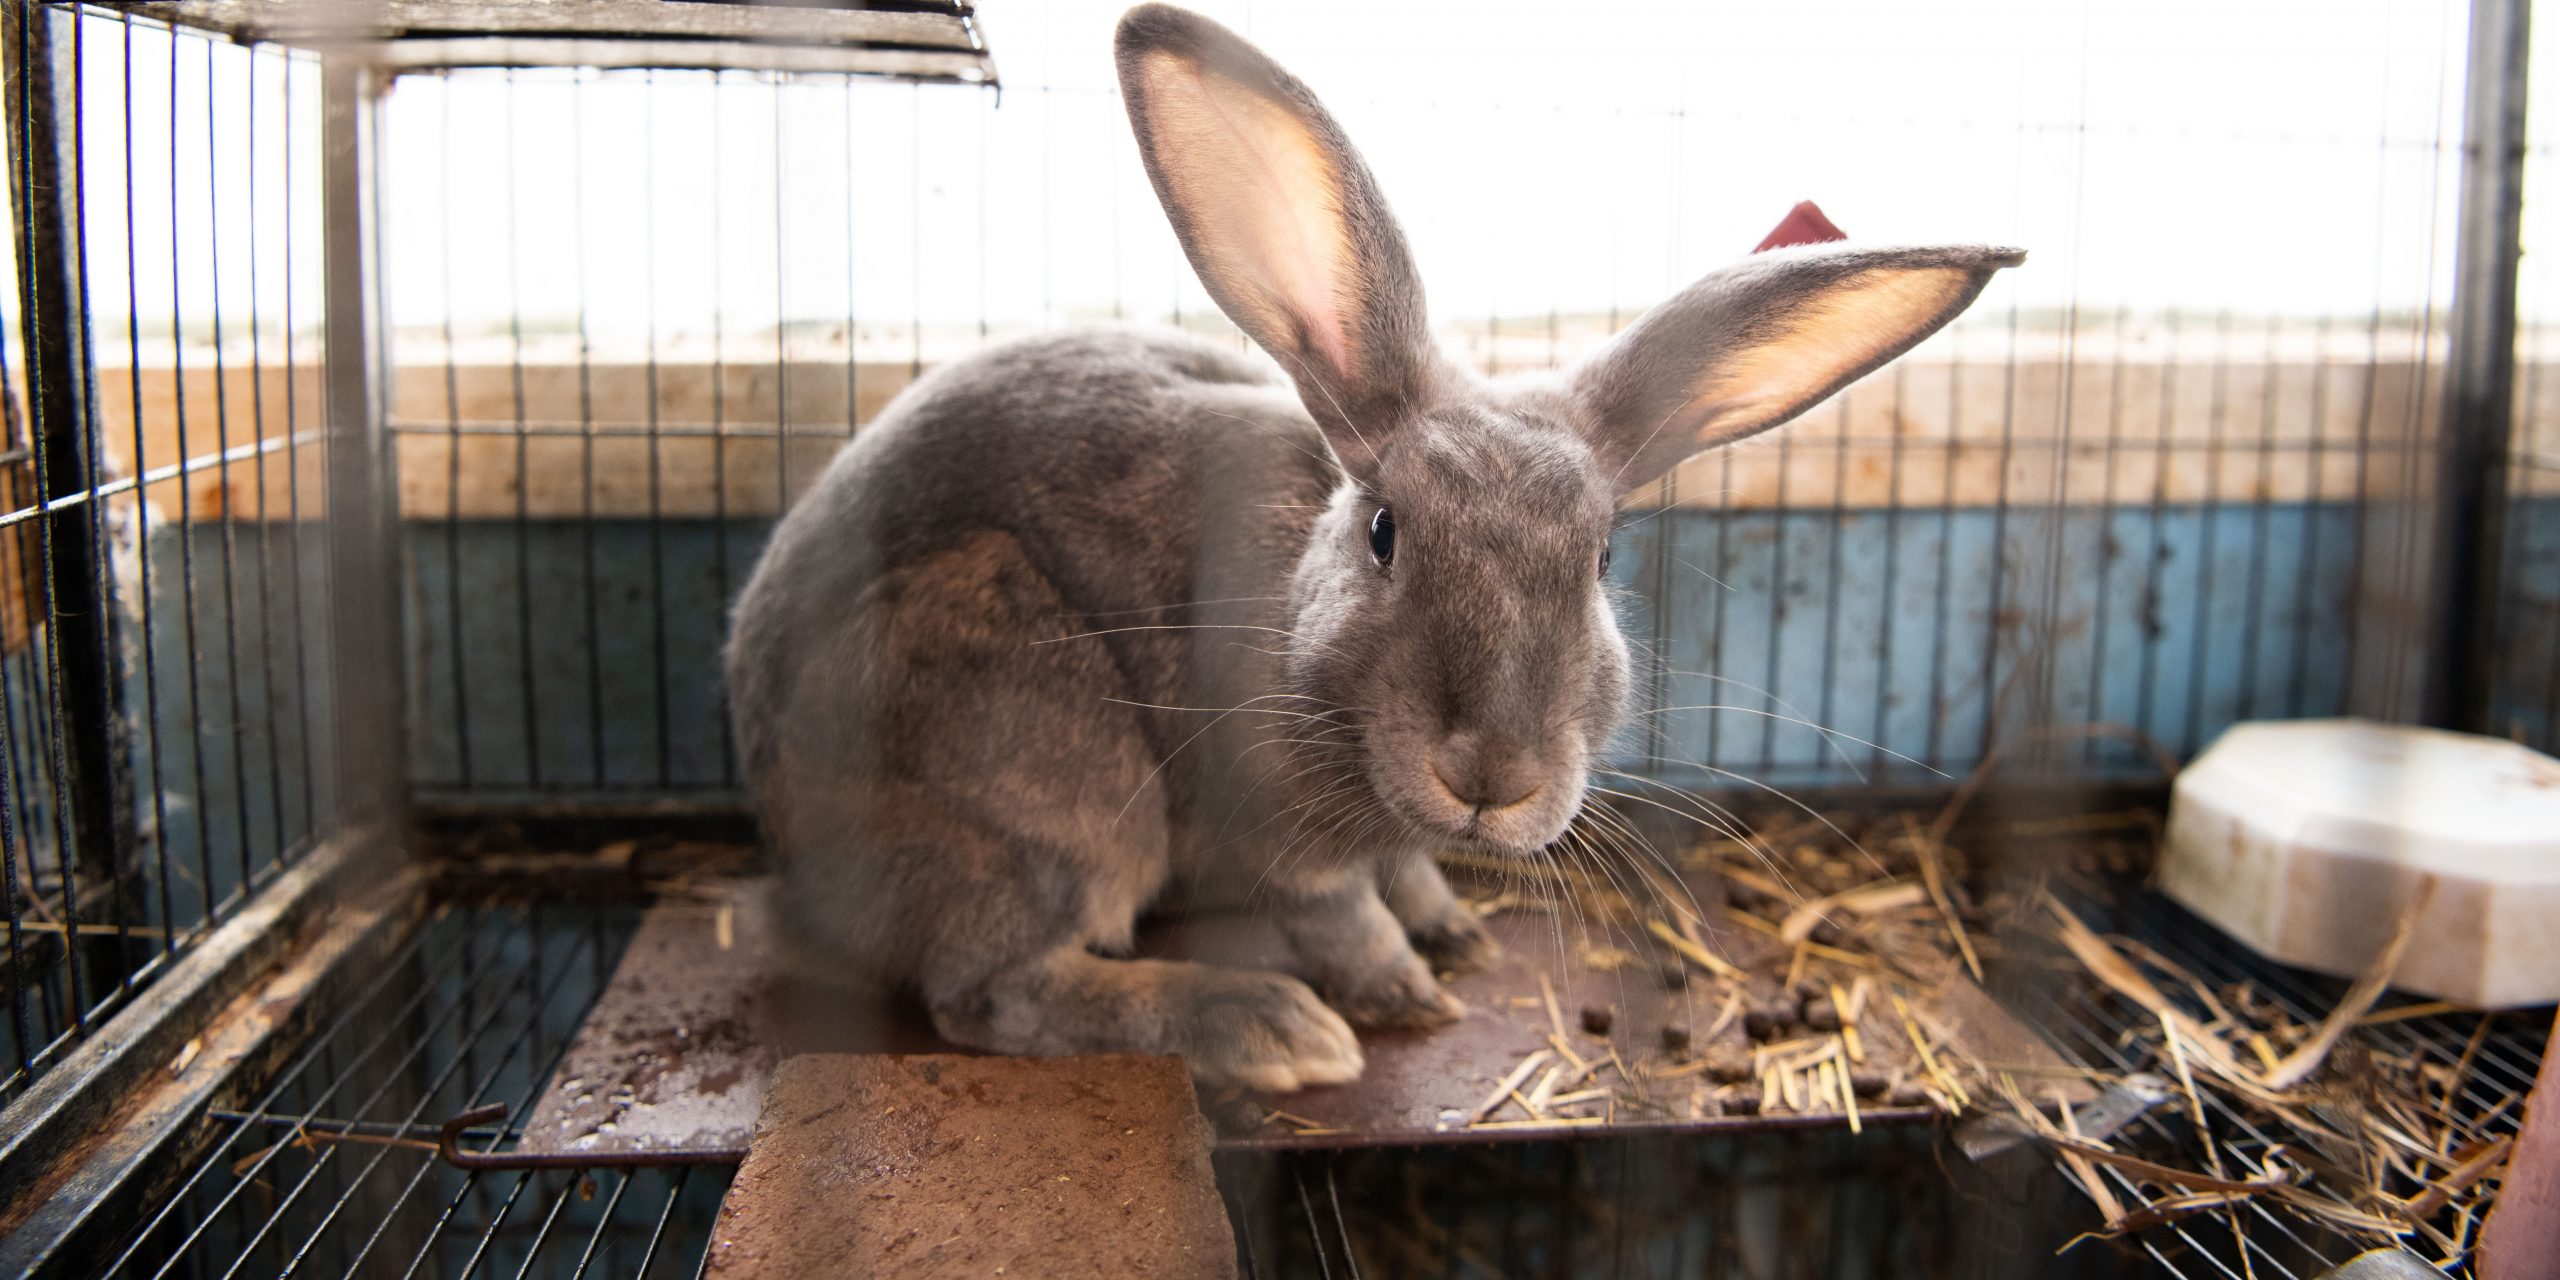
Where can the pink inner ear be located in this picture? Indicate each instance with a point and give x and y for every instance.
(1269, 196)
(1803, 224)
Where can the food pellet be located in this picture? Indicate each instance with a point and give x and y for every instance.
(1821, 1015)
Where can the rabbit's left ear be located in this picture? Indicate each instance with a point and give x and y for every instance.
(1763, 340)
(1282, 221)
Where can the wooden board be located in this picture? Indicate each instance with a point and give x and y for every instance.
(689, 439)
(928, 1166)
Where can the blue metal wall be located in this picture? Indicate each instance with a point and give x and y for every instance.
(1901, 632)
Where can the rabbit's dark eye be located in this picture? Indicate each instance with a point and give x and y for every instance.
(1605, 549)
(1382, 537)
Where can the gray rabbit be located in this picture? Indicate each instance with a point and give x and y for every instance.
(1101, 622)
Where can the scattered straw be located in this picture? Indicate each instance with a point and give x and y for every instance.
(1502, 1092)
(1692, 952)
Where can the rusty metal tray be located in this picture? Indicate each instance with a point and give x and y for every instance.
(674, 1056)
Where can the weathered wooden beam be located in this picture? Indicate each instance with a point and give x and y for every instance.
(1928, 432)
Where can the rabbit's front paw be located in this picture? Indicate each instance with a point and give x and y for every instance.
(1402, 995)
(1267, 1031)
(1456, 942)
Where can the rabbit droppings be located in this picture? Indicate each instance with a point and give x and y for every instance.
(1106, 621)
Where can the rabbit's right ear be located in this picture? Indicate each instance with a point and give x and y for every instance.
(1761, 341)
(1282, 221)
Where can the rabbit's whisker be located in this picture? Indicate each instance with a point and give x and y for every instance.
(1160, 608)
(1169, 626)
(1783, 705)
(1161, 765)
(1716, 818)
(1808, 810)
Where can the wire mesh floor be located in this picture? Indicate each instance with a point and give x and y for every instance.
(331, 1169)
(2495, 1058)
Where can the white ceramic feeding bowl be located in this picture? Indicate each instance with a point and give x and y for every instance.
(2307, 839)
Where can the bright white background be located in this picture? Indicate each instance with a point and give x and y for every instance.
(2262, 159)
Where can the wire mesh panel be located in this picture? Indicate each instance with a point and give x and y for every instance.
(161, 699)
(2161, 478)
(1782, 1206)
(597, 426)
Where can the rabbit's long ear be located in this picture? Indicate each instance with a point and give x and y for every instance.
(1282, 221)
(1763, 340)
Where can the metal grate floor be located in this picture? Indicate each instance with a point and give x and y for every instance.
(332, 1170)
(2255, 1243)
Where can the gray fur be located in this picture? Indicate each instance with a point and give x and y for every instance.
(1088, 624)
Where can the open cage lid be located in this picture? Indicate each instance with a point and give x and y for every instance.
(922, 40)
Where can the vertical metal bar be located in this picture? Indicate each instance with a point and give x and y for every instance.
(2355, 597)
(675, 1191)
(587, 434)
(530, 688)
(229, 514)
(281, 843)
(453, 598)
(2164, 449)
(186, 514)
(1997, 580)
(88, 727)
(719, 418)
(1666, 520)
(125, 895)
(22, 777)
(293, 493)
(2110, 548)
(657, 443)
(915, 236)
(1723, 580)
(1825, 754)
(369, 730)
(13, 886)
(2253, 595)
(2404, 578)
(781, 328)
(142, 514)
(1942, 598)
(2315, 496)
(2048, 706)
(852, 366)
(2471, 474)
(1889, 592)
(1780, 600)
(986, 109)
(2208, 535)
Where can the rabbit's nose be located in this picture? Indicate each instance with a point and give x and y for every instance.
(1485, 772)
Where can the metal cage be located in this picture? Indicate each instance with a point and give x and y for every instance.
(369, 534)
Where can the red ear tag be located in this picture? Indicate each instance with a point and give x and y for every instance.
(1803, 224)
